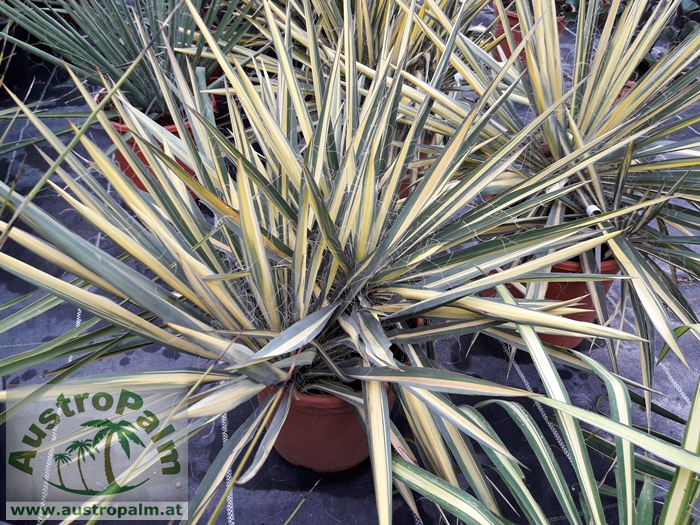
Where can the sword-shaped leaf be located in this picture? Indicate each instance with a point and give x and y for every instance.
(268, 440)
(225, 398)
(638, 268)
(510, 472)
(375, 339)
(620, 410)
(377, 410)
(299, 334)
(684, 487)
(542, 450)
(455, 501)
(262, 280)
(436, 380)
(571, 430)
(442, 407)
(676, 455)
(223, 461)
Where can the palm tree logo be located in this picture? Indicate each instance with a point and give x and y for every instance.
(123, 430)
(61, 459)
(82, 447)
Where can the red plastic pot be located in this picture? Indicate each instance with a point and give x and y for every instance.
(565, 291)
(628, 86)
(405, 187)
(322, 433)
(514, 23)
(124, 163)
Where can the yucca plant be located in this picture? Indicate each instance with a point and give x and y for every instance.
(374, 20)
(103, 38)
(616, 146)
(312, 265)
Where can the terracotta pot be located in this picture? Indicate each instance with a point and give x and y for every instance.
(628, 86)
(405, 187)
(124, 163)
(565, 291)
(514, 23)
(322, 433)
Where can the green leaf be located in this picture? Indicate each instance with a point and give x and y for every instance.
(542, 450)
(455, 501)
(688, 6)
(435, 380)
(570, 428)
(216, 472)
(510, 472)
(441, 406)
(296, 336)
(258, 263)
(377, 410)
(685, 485)
(678, 456)
(620, 410)
(645, 502)
(376, 341)
(225, 398)
(268, 441)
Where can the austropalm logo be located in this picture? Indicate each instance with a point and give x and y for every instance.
(78, 451)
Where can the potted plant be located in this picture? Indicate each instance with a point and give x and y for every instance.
(106, 37)
(586, 122)
(676, 28)
(311, 268)
(619, 142)
(100, 39)
(565, 12)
